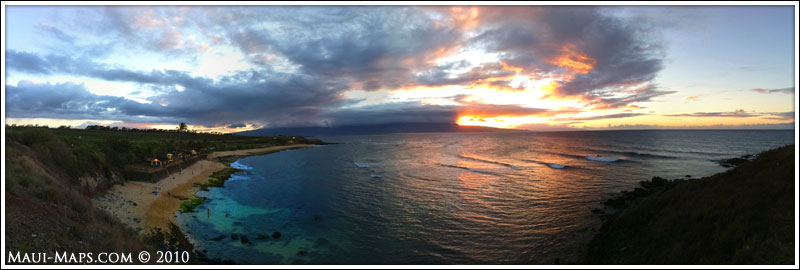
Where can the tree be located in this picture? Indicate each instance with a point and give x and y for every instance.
(182, 127)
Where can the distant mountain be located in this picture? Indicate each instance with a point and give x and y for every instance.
(370, 129)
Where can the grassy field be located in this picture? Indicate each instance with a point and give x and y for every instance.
(742, 216)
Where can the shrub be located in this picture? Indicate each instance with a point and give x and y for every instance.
(48, 193)
(33, 136)
(99, 158)
(78, 203)
(25, 180)
(10, 184)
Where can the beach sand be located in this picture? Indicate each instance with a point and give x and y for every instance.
(136, 206)
(257, 151)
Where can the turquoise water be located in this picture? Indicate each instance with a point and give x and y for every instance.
(449, 198)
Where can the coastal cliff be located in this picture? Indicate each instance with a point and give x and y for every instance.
(741, 216)
(46, 209)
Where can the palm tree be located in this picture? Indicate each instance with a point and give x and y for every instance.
(182, 127)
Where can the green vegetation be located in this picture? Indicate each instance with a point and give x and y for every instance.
(217, 179)
(190, 205)
(742, 216)
(78, 152)
(47, 211)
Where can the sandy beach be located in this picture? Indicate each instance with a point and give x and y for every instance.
(136, 206)
(257, 151)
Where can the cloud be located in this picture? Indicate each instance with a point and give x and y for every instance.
(302, 60)
(368, 47)
(735, 113)
(415, 112)
(740, 113)
(596, 53)
(24, 62)
(62, 100)
(493, 110)
(406, 112)
(439, 75)
(598, 117)
(629, 97)
(159, 29)
(237, 125)
(247, 96)
(56, 32)
(788, 90)
(784, 116)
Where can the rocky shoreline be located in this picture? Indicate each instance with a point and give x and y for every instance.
(741, 216)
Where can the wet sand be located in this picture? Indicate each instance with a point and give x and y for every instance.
(136, 206)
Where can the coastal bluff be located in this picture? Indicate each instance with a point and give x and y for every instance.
(741, 216)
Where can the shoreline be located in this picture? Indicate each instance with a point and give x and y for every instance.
(652, 223)
(135, 205)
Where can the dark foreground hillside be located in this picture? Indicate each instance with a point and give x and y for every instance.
(742, 216)
(46, 211)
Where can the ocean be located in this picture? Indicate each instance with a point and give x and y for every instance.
(446, 198)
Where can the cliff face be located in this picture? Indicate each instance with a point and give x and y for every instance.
(742, 216)
(46, 208)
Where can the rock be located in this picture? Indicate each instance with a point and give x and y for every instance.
(34, 235)
(302, 253)
(317, 217)
(262, 237)
(276, 235)
(245, 240)
(688, 176)
(220, 237)
(234, 236)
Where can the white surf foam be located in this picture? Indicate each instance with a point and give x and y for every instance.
(367, 164)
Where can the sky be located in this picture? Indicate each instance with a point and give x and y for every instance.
(237, 68)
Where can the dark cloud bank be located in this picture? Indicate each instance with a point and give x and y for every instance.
(336, 49)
